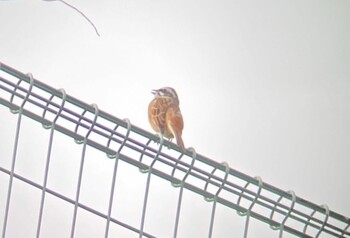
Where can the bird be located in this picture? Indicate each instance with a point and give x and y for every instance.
(165, 116)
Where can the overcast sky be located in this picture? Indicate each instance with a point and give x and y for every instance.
(263, 85)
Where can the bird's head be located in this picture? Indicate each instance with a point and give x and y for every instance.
(165, 92)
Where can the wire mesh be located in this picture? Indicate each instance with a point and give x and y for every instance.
(217, 183)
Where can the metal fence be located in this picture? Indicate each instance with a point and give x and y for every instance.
(249, 198)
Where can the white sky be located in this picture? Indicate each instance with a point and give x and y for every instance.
(263, 85)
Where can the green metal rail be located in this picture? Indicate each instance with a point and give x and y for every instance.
(216, 182)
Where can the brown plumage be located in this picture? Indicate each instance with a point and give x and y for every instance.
(165, 116)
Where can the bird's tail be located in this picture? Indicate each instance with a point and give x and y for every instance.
(180, 142)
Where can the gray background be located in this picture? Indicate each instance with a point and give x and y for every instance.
(263, 85)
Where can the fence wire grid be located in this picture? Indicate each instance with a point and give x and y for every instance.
(218, 185)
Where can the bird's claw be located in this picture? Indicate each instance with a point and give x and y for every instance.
(160, 141)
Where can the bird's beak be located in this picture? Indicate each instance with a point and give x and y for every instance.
(154, 92)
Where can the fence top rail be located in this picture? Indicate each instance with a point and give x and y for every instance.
(147, 152)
